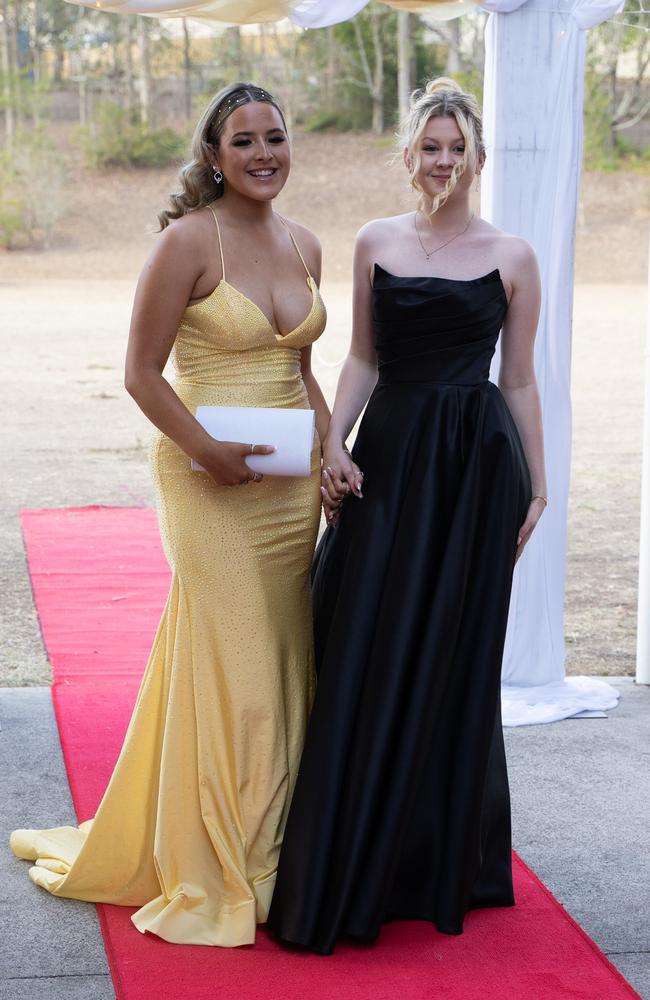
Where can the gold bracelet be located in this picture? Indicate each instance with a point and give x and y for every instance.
(540, 497)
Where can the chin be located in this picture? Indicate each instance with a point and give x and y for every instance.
(262, 192)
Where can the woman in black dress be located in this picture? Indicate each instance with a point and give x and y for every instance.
(401, 809)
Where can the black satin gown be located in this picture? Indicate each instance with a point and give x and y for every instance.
(401, 808)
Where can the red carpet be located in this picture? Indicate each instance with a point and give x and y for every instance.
(99, 581)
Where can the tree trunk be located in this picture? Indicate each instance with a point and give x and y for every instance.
(7, 74)
(238, 52)
(145, 72)
(83, 99)
(187, 69)
(128, 63)
(16, 60)
(330, 69)
(454, 61)
(378, 76)
(404, 62)
(35, 42)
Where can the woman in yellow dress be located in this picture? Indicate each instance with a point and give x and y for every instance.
(190, 826)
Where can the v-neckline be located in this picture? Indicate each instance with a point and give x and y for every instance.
(278, 336)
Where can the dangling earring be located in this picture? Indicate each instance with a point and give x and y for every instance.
(218, 176)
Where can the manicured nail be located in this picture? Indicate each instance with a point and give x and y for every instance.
(519, 540)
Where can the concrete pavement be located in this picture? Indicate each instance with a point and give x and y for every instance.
(580, 809)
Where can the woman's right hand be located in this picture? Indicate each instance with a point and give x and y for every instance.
(225, 462)
(341, 477)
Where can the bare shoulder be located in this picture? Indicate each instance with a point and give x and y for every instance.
(190, 233)
(309, 245)
(512, 251)
(306, 238)
(375, 234)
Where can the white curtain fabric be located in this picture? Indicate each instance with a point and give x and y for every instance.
(303, 13)
(533, 128)
(323, 13)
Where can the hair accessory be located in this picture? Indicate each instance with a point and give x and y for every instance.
(236, 99)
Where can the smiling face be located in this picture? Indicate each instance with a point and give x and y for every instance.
(438, 149)
(254, 155)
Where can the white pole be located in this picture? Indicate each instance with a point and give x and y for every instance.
(643, 623)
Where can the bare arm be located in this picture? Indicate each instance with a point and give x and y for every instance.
(315, 393)
(359, 373)
(517, 379)
(313, 256)
(163, 292)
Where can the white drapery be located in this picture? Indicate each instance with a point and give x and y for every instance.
(533, 104)
(303, 13)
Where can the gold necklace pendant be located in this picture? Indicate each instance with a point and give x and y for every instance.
(429, 253)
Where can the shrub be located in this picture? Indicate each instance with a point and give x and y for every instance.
(32, 198)
(329, 121)
(116, 140)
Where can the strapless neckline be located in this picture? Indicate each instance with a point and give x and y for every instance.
(494, 275)
(278, 336)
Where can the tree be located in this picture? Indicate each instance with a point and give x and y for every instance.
(405, 61)
(8, 73)
(187, 69)
(614, 103)
(374, 77)
(145, 71)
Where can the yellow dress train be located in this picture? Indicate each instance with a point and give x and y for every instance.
(190, 826)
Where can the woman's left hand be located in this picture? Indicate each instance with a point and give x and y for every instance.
(536, 508)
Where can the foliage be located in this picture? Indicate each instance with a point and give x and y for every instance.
(115, 139)
(599, 151)
(616, 102)
(30, 98)
(352, 94)
(328, 121)
(32, 199)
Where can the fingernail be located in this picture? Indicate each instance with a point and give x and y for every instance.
(330, 470)
(325, 474)
(519, 540)
(323, 491)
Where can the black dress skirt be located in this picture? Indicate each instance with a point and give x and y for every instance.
(401, 808)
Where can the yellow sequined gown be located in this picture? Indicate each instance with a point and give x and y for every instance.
(190, 826)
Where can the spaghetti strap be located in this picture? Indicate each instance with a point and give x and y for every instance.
(223, 266)
(293, 240)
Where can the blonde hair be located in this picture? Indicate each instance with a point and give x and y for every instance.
(198, 185)
(442, 98)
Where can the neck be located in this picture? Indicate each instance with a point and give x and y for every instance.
(246, 211)
(450, 218)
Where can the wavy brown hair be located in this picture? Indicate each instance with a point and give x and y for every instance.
(443, 98)
(198, 186)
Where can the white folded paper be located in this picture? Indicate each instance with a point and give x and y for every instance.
(290, 431)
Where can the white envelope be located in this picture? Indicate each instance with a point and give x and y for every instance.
(290, 431)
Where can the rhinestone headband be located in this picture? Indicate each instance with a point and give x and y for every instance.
(237, 99)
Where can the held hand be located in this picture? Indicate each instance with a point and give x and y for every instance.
(341, 478)
(536, 508)
(225, 462)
